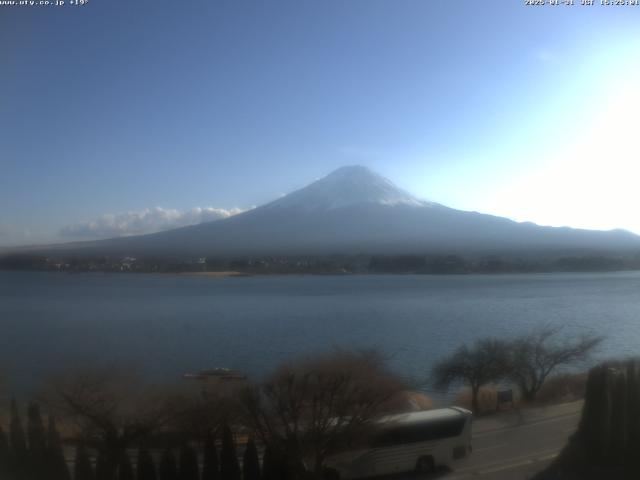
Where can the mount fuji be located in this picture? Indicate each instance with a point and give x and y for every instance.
(354, 210)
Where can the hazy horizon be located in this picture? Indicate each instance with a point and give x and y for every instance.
(121, 118)
(158, 219)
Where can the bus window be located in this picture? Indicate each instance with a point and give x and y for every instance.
(421, 432)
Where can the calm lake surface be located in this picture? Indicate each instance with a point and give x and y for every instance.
(166, 325)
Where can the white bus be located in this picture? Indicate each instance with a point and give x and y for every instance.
(416, 441)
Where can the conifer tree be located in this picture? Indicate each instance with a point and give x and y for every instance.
(105, 470)
(188, 465)
(125, 470)
(82, 465)
(210, 466)
(16, 432)
(229, 467)
(56, 463)
(269, 465)
(633, 402)
(37, 442)
(35, 432)
(146, 469)
(274, 465)
(18, 462)
(168, 469)
(608, 436)
(251, 462)
(4, 454)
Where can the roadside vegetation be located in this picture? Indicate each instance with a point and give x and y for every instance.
(559, 388)
(115, 426)
(527, 362)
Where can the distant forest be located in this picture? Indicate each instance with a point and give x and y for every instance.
(331, 264)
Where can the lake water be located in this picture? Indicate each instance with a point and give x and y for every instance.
(166, 325)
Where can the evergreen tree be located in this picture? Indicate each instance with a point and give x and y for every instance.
(4, 454)
(105, 468)
(37, 442)
(168, 469)
(16, 432)
(210, 467)
(633, 402)
(35, 432)
(56, 463)
(269, 465)
(18, 462)
(82, 465)
(274, 465)
(125, 470)
(188, 465)
(229, 467)
(251, 462)
(146, 469)
(608, 436)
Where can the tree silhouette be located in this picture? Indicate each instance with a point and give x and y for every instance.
(19, 460)
(146, 469)
(269, 470)
(36, 432)
(274, 464)
(483, 362)
(4, 454)
(188, 464)
(56, 463)
(307, 408)
(211, 466)
(607, 440)
(251, 462)
(168, 469)
(113, 407)
(105, 467)
(125, 470)
(535, 356)
(229, 467)
(37, 441)
(82, 465)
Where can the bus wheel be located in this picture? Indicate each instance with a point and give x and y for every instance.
(424, 464)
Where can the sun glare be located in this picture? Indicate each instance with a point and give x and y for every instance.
(591, 182)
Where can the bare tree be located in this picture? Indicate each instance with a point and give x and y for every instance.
(305, 410)
(200, 410)
(535, 356)
(111, 409)
(483, 362)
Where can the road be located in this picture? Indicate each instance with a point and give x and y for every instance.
(506, 446)
(509, 446)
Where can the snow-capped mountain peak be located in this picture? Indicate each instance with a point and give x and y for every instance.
(355, 211)
(348, 186)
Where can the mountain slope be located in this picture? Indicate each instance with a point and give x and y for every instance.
(346, 187)
(354, 210)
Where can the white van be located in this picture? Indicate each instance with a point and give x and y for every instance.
(416, 441)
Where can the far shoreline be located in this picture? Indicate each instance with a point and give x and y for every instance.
(239, 274)
(222, 274)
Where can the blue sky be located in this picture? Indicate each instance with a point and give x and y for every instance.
(153, 109)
